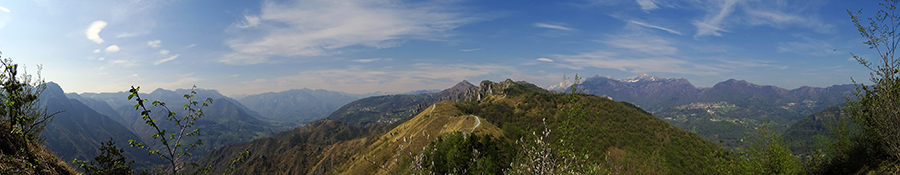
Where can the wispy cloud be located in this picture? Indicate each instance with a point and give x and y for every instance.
(248, 21)
(154, 43)
(163, 52)
(371, 60)
(545, 59)
(808, 46)
(609, 60)
(133, 34)
(778, 18)
(712, 22)
(320, 27)
(93, 32)
(655, 27)
(470, 50)
(165, 59)
(647, 44)
(647, 5)
(551, 26)
(4, 9)
(419, 76)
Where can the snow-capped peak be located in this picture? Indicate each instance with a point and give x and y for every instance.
(559, 87)
(641, 77)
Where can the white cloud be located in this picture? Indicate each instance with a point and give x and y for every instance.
(712, 23)
(101, 58)
(322, 27)
(154, 43)
(166, 59)
(470, 50)
(4, 9)
(93, 32)
(545, 59)
(551, 26)
(112, 49)
(371, 60)
(189, 46)
(655, 27)
(97, 51)
(647, 5)
(164, 52)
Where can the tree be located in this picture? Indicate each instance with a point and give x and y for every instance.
(769, 154)
(20, 110)
(174, 152)
(877, 106)
(110, 161)
(22, 119)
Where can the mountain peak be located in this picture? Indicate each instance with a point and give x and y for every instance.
(462, 85)
(641, 77)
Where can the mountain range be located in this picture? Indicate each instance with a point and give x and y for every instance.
(728, 112)
(77, 131)
(614, 134)
(225, 122)
(289, 109)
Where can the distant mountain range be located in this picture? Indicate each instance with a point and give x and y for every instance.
(728, 111)
(289, 109)
(225, 122)
(654, 93)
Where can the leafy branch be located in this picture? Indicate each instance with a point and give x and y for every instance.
(174, 151)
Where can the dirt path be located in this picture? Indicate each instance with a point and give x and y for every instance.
(477, 123)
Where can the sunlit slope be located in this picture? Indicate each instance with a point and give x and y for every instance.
(410, 137)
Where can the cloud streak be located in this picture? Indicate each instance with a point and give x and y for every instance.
(4, 9)
(551, 26)
(654, 27)
(93, 32)
(371, 60)
(308, 28)
(165, 59)
(712, 23)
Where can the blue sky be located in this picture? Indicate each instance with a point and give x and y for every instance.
(362, 46)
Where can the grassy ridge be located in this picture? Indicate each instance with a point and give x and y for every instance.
(604, 130)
